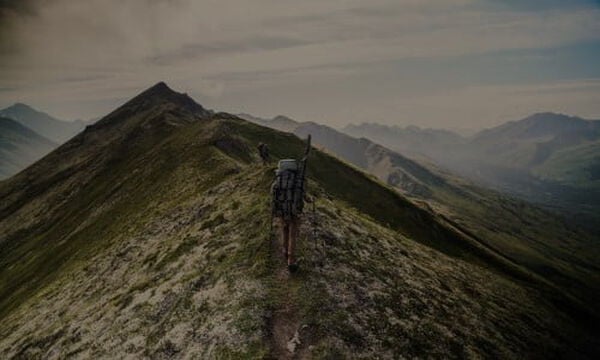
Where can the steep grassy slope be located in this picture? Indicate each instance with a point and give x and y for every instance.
(19, 147)
(148, 236)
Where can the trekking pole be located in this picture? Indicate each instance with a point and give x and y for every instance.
(271, 226)
(270, 234)
(314, 229)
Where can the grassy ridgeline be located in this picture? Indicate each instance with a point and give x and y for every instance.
(150, 238)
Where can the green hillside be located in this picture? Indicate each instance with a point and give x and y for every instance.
(147, 235)
(558, 167)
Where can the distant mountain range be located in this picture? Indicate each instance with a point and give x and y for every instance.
(538, 143)
(54, 129)
(411, 140)
(548, 158)
(20, 147)
(497, 220)
(29, 134)
(149, 235)
(391, 167)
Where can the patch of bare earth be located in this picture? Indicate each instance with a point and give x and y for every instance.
(285, 328)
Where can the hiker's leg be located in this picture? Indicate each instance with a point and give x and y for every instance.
(292, 242)
(285, 235)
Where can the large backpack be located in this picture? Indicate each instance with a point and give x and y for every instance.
(287, 190)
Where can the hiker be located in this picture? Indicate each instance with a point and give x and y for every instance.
(288, 196)
(263, 151)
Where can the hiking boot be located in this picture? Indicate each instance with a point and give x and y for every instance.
(293, 267)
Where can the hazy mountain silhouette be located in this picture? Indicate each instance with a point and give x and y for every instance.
(552, 159)
(534, 140)
(411, 140)
(279, 122)
(146, 235)
(20, 147)
(54, 129)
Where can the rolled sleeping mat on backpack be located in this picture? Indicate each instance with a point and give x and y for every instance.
(286, 164)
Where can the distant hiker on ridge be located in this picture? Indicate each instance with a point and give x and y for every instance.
(263, 151)
(288, 191)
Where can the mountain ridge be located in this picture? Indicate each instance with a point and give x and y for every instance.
(154, 229)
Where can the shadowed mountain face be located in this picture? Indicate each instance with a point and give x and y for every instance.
(547, 158)
(19, 147)
(147, 235)
(56, 130)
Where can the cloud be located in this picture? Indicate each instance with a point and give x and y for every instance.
(491, 105)
(110, 33)
(537, 5)
(105, 49)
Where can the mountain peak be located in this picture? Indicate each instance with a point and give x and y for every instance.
(282, 118)
(160, 88)
(550, 116)
(162, 93)
(541, 124)
(154, 101)
(20, 111)
(554, 124)
(40, 122)
(20, 106)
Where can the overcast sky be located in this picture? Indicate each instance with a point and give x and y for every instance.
(432, 63)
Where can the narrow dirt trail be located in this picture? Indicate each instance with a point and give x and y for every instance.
(285, 325)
